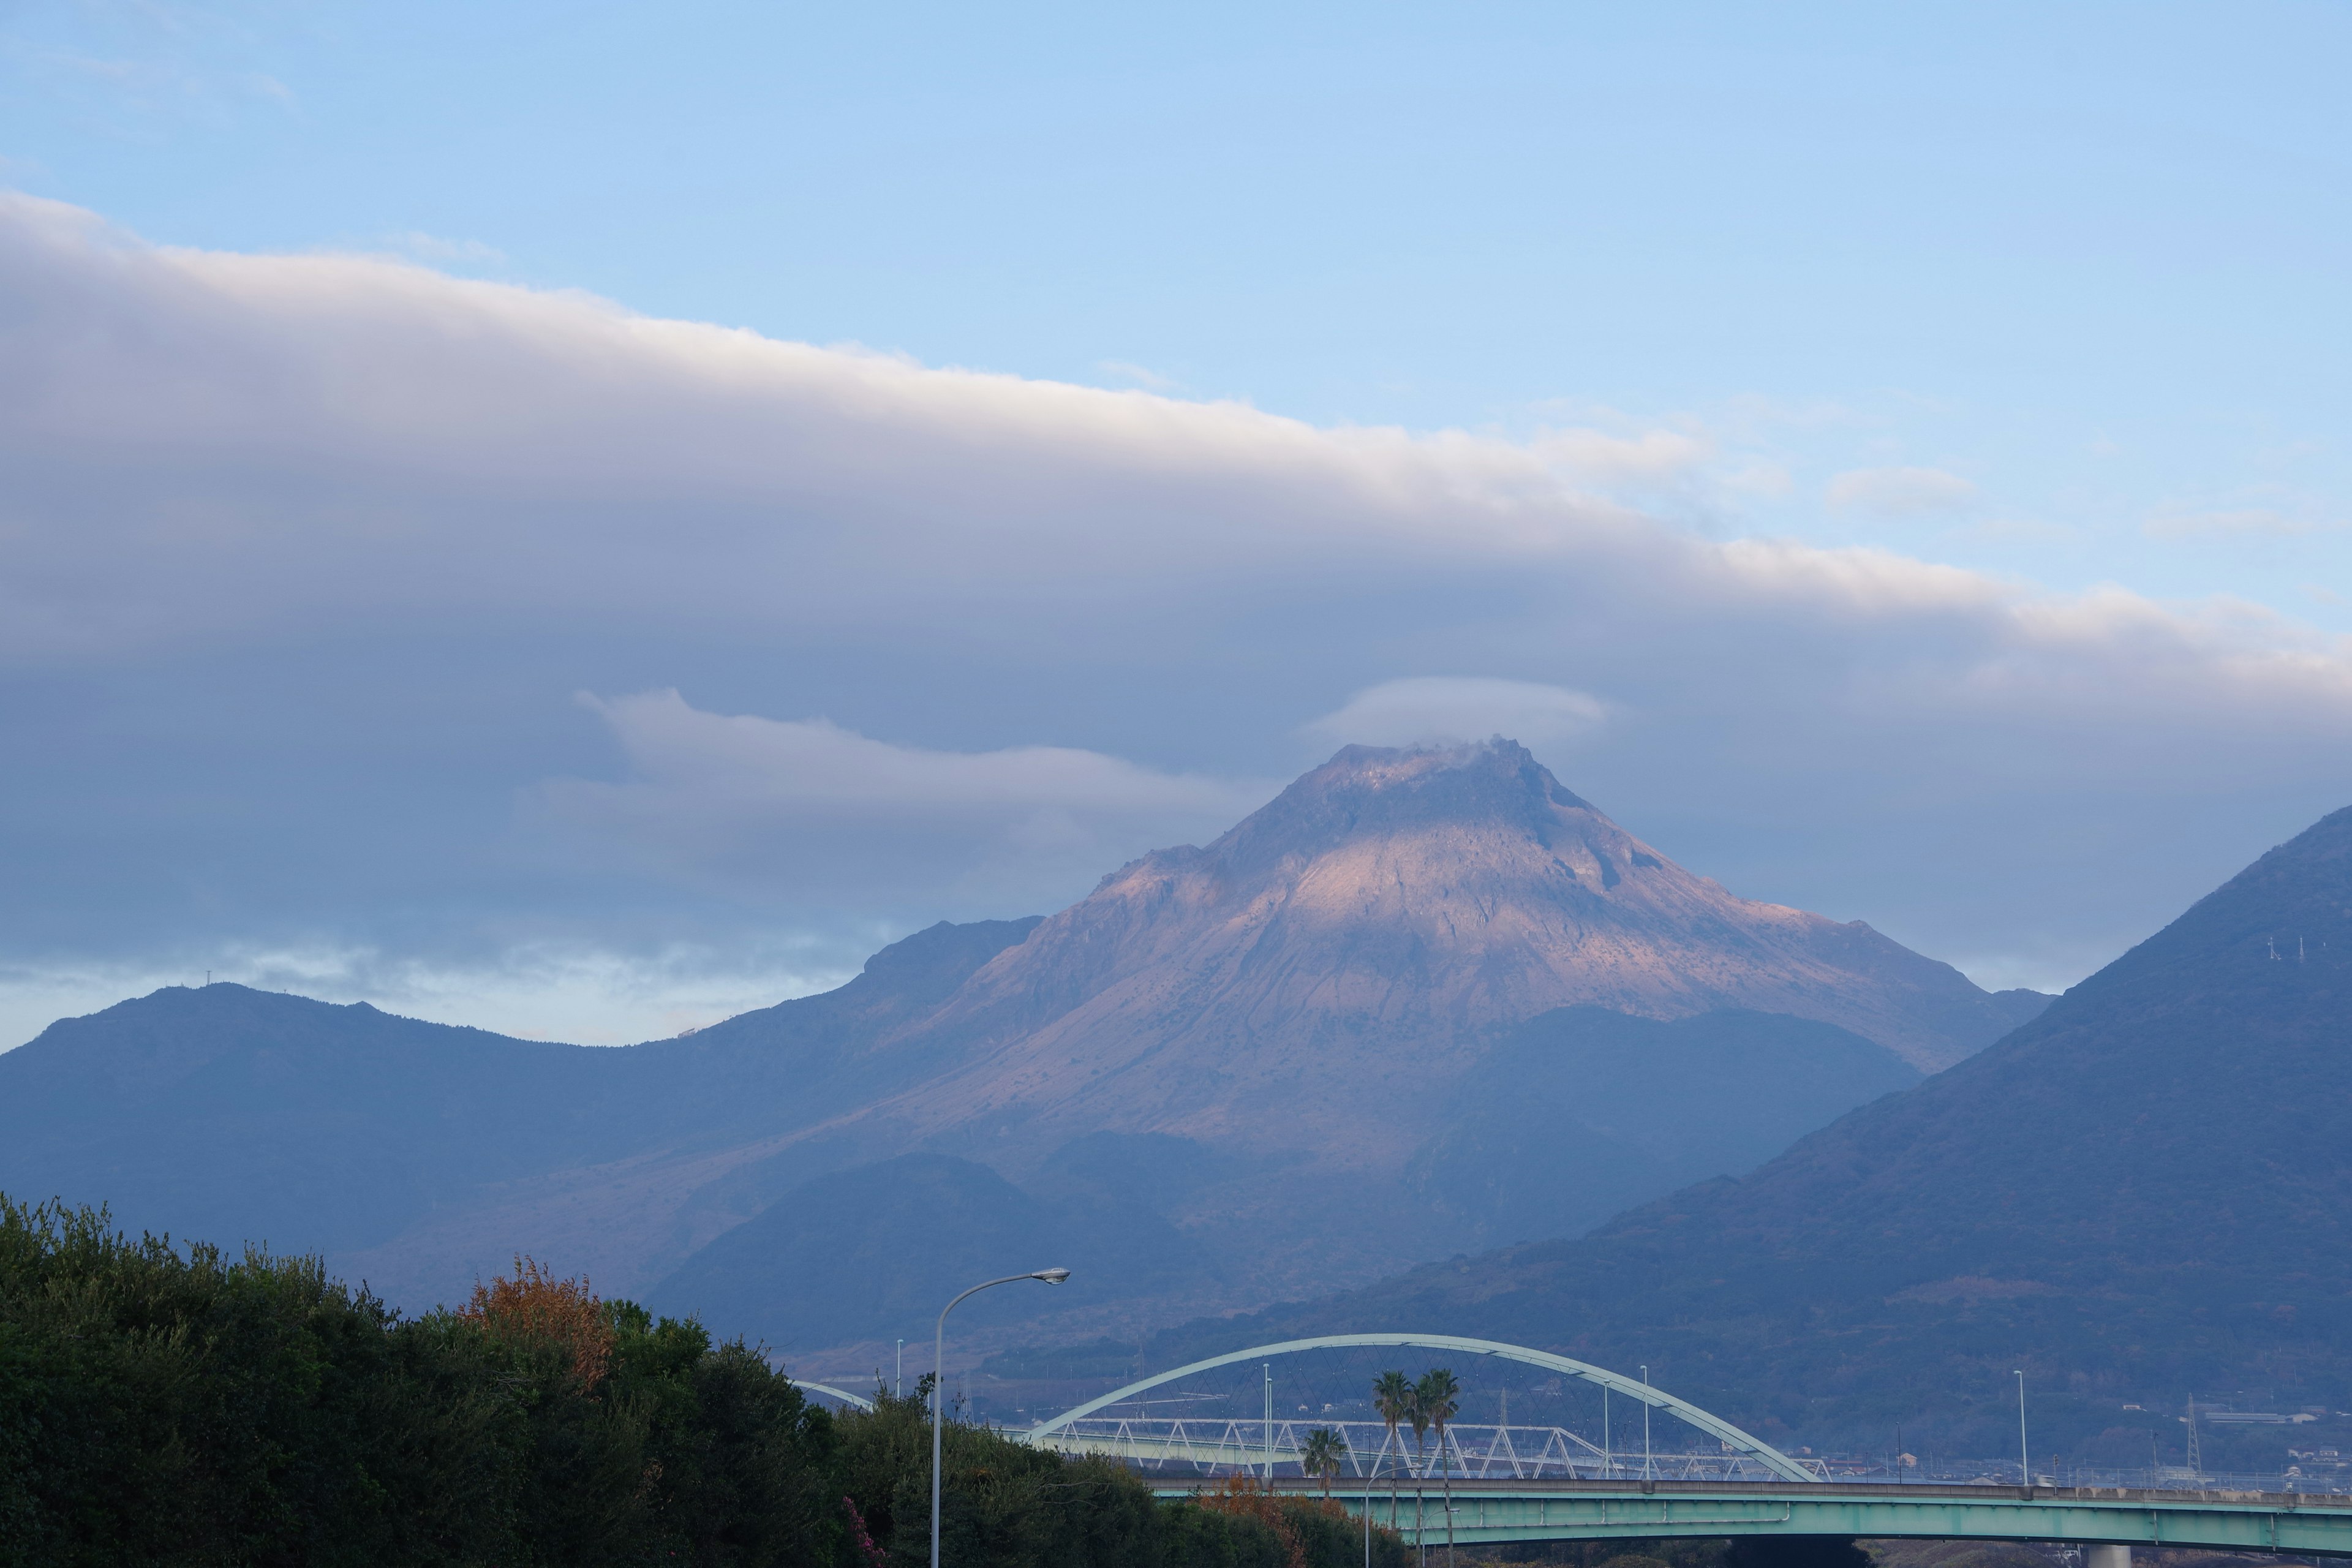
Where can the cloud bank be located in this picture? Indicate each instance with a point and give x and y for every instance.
(1440, 709)
(304, 559)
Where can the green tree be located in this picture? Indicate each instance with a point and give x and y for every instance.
(1438, 1398)
(1324, 1452)
(1392, 1397)
(1415, 1413)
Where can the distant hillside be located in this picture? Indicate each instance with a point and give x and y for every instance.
(243, 1115)
(1583, 1112)
(878, 1250)
(2145, 1193)
(1332, 1020)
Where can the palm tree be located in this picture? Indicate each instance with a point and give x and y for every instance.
(1322, 1455)
(1418, 1413)
(1392, 1397)
(1437, 1398)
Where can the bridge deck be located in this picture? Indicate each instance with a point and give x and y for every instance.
(1500, 1510)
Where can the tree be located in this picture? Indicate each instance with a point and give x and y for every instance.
(534, 1307)
(1418, 1413)
(1437, 1398)
(1322, 1455)
(1392, 1397)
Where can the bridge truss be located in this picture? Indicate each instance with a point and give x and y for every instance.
(1162, 1446)
(1058, 1432)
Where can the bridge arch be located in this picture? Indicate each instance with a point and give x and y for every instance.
(1763, 1453)
(832, 1393)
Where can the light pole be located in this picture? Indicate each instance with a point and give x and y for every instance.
(1269, 1426)
(1648, 1472)
(2025, 1461)
(938, 1382)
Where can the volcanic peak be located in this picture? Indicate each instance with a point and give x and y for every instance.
(1372, 790)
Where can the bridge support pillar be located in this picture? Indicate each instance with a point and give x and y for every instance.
(2107, 1557)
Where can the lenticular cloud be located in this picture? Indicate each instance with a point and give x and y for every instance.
(374, 521)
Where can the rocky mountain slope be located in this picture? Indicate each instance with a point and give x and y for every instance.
(1310, 973)
(1267, 1045)
(2143, 1193)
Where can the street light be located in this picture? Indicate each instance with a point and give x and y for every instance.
(2024, 1460)
(1647, 1470)
(939, 1380)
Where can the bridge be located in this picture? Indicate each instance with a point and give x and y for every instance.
(1505, 1511)
(1546, 1483)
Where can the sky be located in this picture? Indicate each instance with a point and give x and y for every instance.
(583, 520)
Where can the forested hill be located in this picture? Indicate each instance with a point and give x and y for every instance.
(2145, 1193)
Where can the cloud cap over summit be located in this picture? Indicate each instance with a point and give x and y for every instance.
(311, 557)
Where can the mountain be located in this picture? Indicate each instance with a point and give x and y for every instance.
(844, 1255)
(1288, 1047)
(1583, 1112)
(2144, 1193)
(1310, 973)
(230, 1114)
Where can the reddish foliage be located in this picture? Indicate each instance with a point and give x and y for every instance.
(872, 1554)
(1242, 1497)
(536, 1308)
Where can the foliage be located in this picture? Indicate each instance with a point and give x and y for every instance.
(1324, 1450)
(1007, 1505)
(534, 1308)
(161, 1406)
(167, 1405)
(1437, 1399)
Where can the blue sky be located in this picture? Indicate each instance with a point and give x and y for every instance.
(2051, 294)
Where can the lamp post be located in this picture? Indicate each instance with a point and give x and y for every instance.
(938, 1382)
(1647, 1470)
(2025, 1461)
(1269, 1426)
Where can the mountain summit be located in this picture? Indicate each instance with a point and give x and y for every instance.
(1366, 933)
(1409, 971)
(2145, 1192)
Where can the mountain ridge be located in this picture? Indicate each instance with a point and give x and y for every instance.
(1296, 996)
(1422, 894)
(2143, 1193)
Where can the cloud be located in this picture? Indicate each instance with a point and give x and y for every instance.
(1441, 709)
(301, 558)
(714, 794)
(1899, 492)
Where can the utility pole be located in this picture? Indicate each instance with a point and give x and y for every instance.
(899, 1386)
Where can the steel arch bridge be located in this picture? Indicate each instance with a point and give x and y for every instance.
(1076, 1431)
(1789, 1500)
